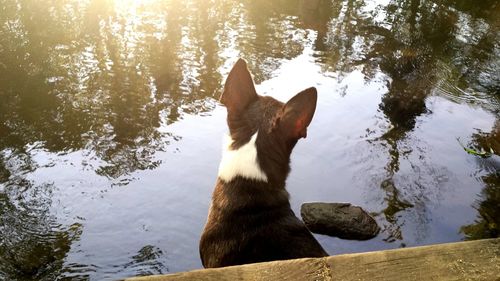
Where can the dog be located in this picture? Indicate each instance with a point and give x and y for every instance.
(250, 219)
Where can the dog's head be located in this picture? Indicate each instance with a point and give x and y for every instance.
(277, 126)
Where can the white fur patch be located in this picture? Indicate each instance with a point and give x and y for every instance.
(240, 162)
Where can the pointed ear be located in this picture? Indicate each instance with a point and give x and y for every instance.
(239, 90)
(298, 113)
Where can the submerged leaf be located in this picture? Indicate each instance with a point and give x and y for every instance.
(482, 153)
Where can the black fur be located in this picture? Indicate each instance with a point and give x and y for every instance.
(250, 220)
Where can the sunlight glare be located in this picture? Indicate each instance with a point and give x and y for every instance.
(132, 3)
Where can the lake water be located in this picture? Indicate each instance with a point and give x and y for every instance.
(111, 130)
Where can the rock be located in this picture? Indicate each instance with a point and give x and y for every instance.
(339, 219)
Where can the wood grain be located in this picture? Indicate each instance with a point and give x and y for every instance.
(473, 260)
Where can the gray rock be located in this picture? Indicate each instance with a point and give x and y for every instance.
(339, 219)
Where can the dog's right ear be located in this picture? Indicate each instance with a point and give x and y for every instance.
(239, 90)
(298, 112)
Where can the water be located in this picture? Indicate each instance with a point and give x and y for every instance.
(111, 133)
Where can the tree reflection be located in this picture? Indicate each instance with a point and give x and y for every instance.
(410, 46)
(97, 86)
(487, 224)
(103, 78)
(33, 244)
(420, 39)
(490, 140)
(408, 60)
(271, 35)
(316, 14)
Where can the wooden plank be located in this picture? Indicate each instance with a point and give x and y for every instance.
(473, 260)
(299, 269)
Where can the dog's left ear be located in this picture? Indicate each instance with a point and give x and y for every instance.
(239, 90)
(298, 112)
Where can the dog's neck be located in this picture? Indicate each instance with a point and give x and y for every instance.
(251, 160)
(241, 162)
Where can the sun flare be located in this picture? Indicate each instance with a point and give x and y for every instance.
(132, 3)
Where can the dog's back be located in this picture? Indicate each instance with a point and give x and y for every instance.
(250, 219)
